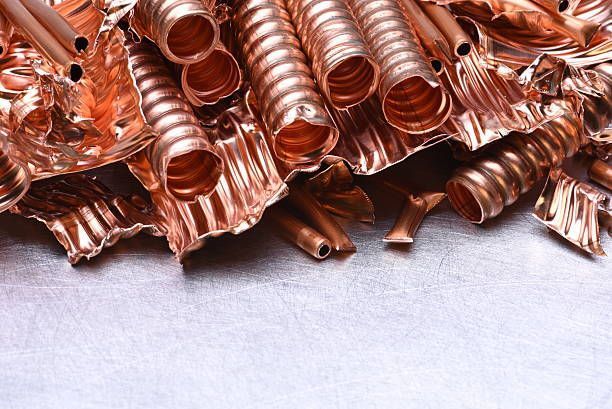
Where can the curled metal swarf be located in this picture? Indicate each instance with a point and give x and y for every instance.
(6, 33)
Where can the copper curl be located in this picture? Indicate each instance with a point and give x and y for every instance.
(413, 99)
(6, 32)
(341, 61)
(14, 181)
(481, 189)
(182, 158)
(292, 109)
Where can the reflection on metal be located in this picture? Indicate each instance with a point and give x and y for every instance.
(299, 233)
(601, 172)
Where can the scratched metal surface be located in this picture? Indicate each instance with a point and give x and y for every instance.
(501, 316)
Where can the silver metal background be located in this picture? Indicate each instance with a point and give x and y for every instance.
(502, 316)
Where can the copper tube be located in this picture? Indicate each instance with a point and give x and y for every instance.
(601, 172)
(341, 61)
(297, 232)
(413, 99)
(458, 40)
(558, 6)
(185, 30)
(14, 181)
(6, 33)
(41, 39)
(291, 107)
(182, 158)
(320, 219)
(481, 189)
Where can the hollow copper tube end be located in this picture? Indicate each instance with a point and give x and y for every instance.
(300, 234)
(601, 172)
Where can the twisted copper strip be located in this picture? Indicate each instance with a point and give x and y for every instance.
(6, 32)
(341, 61)
(182, 158)
(413, 99)
(481, 189)
(292, 109)
(14, 181)
(185, 30)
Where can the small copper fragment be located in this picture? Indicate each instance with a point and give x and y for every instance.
(601, 172)
(6, 33)
(458, 40)
(300, 234)
(413, 99)
(341, 61)
(570, 208)
(291, 107)
(14, 181)
(320, 219)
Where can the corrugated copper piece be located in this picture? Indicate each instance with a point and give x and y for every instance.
(320, 219)
(291, 107)
(481, 189)
(570, 208)
(299, 233)
(413, 99)
(341, 61)
(14, 181)
(249, 184)
(6, 33)
(182, 158)
(458, 40)
(335, 189)
(185, 30)
(85, 216)
(601, 172)
(415, 207)
(598, 113)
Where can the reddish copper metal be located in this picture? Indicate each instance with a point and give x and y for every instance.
(182, 158)
(6, 32)
(14, 181)
(85, 216)
(185, 30)
(299, 233)
(598, 113)
(341, 61)
(481, 189)
(458, 40)
(291, 107)
(558, 6)
(601, 172)
(570, 208)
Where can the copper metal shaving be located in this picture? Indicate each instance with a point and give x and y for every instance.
(222, 109)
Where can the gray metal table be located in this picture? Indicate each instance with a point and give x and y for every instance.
(502, 316)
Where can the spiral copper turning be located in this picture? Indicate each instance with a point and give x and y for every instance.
(185, 30)
(413, 99)
(6, 32)
(182, 157)
(481, 189)
(341, 61)
(291, 107)
(14, 181)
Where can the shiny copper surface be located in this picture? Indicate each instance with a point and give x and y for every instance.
(598, 113)
(558, 6)
(570, 208)
(413, 99)
(601, 172)
(458, 40)
(291, 107)
(171, 24)
(14, 181)
(6, 32)
(341, 61)
(299, 233)
(481, 189)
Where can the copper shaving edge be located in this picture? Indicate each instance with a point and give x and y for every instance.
(570, 208)
(85, 216)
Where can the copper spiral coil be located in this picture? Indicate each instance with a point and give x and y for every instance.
(14, 181)
(481, 189)
(291, 107)
(413, 99)
(182, 158)
(341, 61)
(6, 32)
(185, 30)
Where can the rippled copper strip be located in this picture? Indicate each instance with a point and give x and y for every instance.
(183, 159)
(299, 233)
(335, 189)
(320, 219)
(14, 181)
(249, 184)
(458, 40)
(413, 99)
(85, 216)
(570, 208)
(482, 188)
(601, 172)
(291, 107)
(341, 61)
(6, 32)
(185, 30)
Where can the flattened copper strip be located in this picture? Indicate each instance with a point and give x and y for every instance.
(341, 61)
(299, 233)
(601, 172)
(14, 181)
(458, 40)
(570, 208)
(291, 107)
(6, 33)
(413, 99)
(481, 189)
(85, 216)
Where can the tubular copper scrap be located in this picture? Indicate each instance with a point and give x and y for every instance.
(185, 30)
(341, 61)
(299, 233)
(85, 216)
(6, 33)
(292, 109)
(481, 189)
(458, 40)
(570, 208)
(601, 172)
(413, 100)
(182, 158)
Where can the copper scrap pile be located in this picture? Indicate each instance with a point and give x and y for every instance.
(221, 109)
